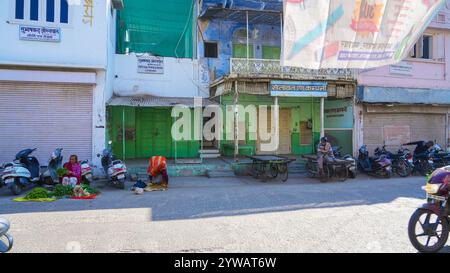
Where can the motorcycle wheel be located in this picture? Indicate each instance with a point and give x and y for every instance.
(403, 169)
(121, 184)
(326, 174)
(283, 171)
(6, 243)
(15, 188)
(425, 168)
(432, 227)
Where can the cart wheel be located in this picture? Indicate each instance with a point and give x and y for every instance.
(273, 170)
(254, 170)
(342, 175)
(311, 169)
(283, 170)
(326, 174)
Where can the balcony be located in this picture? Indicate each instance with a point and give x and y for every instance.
(262, 68)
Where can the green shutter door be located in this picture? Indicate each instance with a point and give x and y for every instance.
(153, 132)
(240, 51)
(271, 52)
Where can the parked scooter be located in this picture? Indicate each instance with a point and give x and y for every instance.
(115, 170)
(6, 240)
(352, 170)
(20, 173)
(400, 163)
(50, 176)
(86, 172)
(379, 166)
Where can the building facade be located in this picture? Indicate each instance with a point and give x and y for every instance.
(408, 101)
(156, 68)
(240, 44)
(54, 74)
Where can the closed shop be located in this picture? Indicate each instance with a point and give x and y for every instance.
(383, 127)
(45, 116)
(394, 116)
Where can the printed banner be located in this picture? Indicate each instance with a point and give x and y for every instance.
(353, 33)
(298, 89)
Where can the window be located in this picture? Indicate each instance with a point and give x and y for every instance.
(43, 11)
(34, 10)
(20, 9)
(211, 50)
(423, 49)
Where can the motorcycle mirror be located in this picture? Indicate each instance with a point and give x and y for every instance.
(98, 155)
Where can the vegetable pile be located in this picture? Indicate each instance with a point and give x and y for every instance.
(37, 193)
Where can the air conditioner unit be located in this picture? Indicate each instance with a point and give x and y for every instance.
(117, 4)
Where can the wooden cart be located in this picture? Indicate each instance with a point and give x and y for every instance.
(270, 166)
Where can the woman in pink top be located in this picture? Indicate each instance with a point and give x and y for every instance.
(73, 176)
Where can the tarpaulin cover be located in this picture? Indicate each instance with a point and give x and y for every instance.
(162, 28)
(353, 33)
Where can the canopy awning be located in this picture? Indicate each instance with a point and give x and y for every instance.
(153, 101)
(371, 94)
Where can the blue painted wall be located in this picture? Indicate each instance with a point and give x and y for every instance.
(222, 31)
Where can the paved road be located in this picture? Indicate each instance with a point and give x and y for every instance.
(225, 215)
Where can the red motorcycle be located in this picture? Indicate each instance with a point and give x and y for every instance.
(429, 226)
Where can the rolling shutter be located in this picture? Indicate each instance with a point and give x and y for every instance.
(45, 116)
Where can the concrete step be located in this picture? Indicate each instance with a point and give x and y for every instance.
(218, 174)
(209, 151)
(210, 155)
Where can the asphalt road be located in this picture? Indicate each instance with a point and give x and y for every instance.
(225, 215)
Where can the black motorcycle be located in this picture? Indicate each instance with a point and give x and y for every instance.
(440, 157)
(376, 166)
(352, 169)
(400, 163)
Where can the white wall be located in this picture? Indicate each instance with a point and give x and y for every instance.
(180, 79)
(81, 45)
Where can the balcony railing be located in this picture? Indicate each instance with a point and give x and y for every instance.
(272, 68)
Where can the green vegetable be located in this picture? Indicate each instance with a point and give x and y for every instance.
(37, 193)
(86, 188)
(61, 172)
(61, 191)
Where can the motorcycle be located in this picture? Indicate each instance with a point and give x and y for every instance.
(401, 161)
(428, 227)
(6, 240)
(115, 170)
(24, 170)
(50, 176)
(86, 172)
(379, 166)
(352, 169)
(439, 156)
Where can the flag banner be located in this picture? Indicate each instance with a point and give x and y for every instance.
(353, 33)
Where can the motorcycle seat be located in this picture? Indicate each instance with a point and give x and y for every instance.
(4, 226)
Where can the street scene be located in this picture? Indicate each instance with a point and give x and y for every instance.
(235, 126)
(226, 215)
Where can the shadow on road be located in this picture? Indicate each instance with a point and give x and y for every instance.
(198, 197)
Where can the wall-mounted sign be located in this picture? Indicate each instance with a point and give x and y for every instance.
(42, 34)
(402, 68)
(338, 114)
(298, 89)
(150, 65)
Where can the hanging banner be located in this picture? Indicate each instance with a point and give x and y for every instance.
(353, 33)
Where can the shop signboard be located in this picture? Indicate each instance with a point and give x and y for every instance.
(298, 89)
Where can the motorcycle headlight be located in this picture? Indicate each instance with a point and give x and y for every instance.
(431, 188)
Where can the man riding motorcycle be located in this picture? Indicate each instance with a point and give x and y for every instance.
(324, 154)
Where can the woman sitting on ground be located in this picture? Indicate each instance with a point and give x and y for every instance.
(73, 176)
(158, 166)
